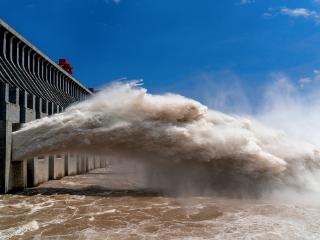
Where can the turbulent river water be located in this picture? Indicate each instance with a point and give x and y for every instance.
(178, 170)
(109, 204)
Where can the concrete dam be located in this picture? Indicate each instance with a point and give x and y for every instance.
(32, 86)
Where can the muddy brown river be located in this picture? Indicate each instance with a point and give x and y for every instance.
(107, 204)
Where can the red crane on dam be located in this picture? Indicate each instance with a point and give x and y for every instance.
(66, 65)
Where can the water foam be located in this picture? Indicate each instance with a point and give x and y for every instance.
(20, 230)
(170, 130)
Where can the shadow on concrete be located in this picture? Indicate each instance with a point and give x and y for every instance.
(90, 191)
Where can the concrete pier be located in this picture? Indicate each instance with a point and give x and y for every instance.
(37, 170)
(97, 162)
(71, 164)
(41, 169)
(90, 163)
(56, 166)
(81, 164)
(17, 176)
(11, 175)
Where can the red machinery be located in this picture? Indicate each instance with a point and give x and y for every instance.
(92, 90)
(65, 65)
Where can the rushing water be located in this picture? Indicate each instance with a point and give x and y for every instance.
(177, 171)
(176, 138)
(86, 207)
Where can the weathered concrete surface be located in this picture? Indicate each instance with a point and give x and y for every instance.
(10, 178)
(59, 166)
(90, 163)
(27, 107)
(18, 176)
(5, 154)
(56, 166)
(81, 164)
(37, 170)
(71, 166)
(41, 170)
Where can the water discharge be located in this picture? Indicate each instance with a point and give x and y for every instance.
(87, 207)
(182, 145)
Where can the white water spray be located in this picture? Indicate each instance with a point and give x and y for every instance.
(169, 132)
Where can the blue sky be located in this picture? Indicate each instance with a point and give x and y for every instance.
(190, 47)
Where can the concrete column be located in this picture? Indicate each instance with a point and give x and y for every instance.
(50, 108)
(76, 92)
(50, 75)
(11, 47)
(72, 90)
(71, 164)
(55, 108)
(18, 176)
(44, 107)
(78, 164)
(38, 170)
(68, 86)
(38, 67)
(90, 162)
(38, 107)
(54, 78)
(5, 154)
(84, 163)
(97, 162)
(33, 63)
(41, 169)
(42, 110)
(60, 81)
(56, 166)
(4, 99)
(27, 113)
(12, 175)
(64, 84)
(42, 71)
(14, 95)
(103, 163)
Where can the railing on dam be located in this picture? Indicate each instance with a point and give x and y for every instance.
(31, 87)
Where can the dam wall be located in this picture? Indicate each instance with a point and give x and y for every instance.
(32, 86)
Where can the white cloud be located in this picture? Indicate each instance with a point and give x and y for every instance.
(294, 13)
(298, 12)
(244, 2)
